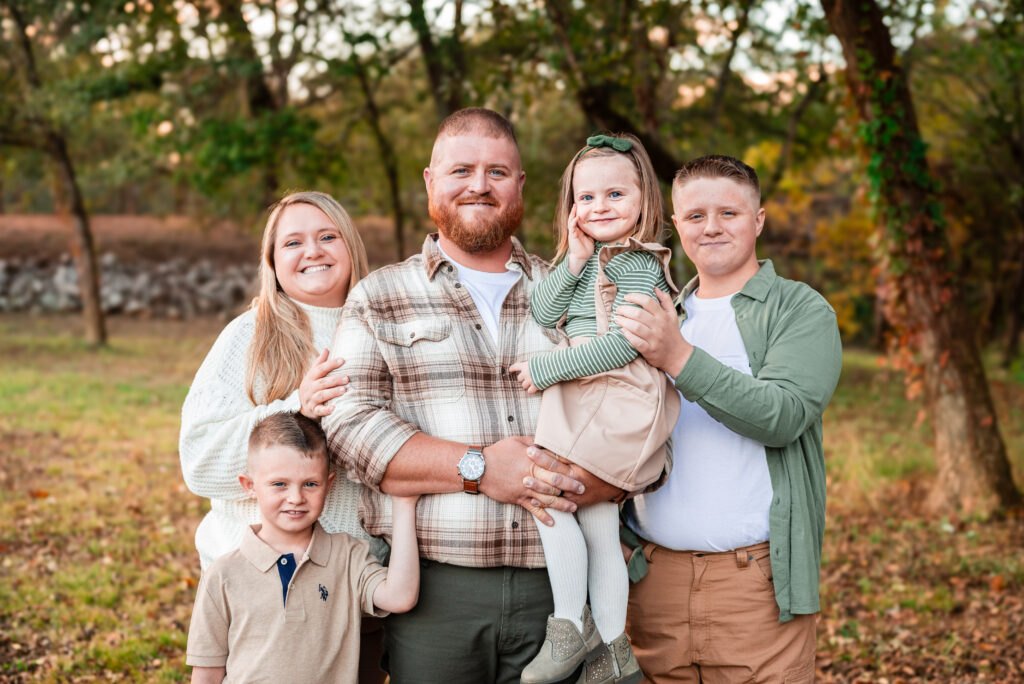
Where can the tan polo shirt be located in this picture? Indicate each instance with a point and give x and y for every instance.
(240, 622)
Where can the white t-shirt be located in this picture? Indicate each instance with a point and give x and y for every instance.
(488, 291)
(718, 493)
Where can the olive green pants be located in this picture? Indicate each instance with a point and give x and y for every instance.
(471, 625)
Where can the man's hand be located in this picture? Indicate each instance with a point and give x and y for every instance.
(508, 467)
(653, 329)
(318, 386)
(522, 369)
(554, 480)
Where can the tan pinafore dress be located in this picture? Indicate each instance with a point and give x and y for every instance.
(613, 424)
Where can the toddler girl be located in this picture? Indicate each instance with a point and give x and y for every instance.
(604, 408)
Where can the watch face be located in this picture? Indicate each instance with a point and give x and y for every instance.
(471, 467)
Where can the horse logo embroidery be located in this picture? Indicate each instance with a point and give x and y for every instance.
(323, 593)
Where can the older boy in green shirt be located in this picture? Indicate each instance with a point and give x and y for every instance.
(733, 539)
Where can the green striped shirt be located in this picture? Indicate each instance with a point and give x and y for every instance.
(562, 293)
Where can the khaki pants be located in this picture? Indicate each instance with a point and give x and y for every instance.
(712, 617)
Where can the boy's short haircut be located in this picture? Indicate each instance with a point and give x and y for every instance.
(487, 122)
(717, 166)
(292, 430)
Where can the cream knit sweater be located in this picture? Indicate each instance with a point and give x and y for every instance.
(215, 424)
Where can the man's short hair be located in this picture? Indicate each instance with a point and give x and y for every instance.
(292, 430)
(480, 120)
(717, 166)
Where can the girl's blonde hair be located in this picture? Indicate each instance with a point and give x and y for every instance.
(282, 344)
(651, 219)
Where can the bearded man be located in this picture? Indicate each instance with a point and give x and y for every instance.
(431, 410)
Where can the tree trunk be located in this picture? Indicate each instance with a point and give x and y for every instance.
(1011, 350)
(82, 247)
(444, 71)
(925, 304)
(768, 189)
(595, 99)
(725, 73)
(387, 155)
(257, 94)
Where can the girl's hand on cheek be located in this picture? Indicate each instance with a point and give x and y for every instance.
(581, 245)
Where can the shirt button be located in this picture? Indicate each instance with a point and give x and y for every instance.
(503, 371)
(412, 335)
(477, 326)
(511, 419)
(284, 561)
(515, 524)
(458, 284)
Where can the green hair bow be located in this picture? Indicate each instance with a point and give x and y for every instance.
(617, 144)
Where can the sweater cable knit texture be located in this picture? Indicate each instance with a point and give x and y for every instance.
(216, 421)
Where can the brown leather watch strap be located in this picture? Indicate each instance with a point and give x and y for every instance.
(472, 486)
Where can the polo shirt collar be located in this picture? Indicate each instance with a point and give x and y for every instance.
(319, 550)
(263, 556)
(433, 258)
(755, 288)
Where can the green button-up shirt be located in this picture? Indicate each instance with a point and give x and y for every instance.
(793, 345)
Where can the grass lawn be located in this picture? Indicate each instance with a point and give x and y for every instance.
(98, 569)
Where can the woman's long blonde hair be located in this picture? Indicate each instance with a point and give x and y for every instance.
(651, 219)
(282, 344)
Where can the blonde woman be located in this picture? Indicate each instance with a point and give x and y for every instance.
(270, 359)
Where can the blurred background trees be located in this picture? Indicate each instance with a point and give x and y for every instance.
(213, 108)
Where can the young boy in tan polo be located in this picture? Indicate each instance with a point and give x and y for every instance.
(286, 605)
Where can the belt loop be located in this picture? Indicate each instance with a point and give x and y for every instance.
(741, 558)
(649, 550)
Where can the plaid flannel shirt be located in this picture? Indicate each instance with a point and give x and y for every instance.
(421, 359)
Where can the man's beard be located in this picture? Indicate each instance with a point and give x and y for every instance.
(482, 235)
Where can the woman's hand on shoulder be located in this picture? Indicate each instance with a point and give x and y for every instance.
(318, 386)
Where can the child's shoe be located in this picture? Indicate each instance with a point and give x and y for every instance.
(614, 664)
(563, 650)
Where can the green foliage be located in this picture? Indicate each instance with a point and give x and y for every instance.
(223, 149)
(218, 108)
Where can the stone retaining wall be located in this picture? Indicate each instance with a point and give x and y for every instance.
(170, 289)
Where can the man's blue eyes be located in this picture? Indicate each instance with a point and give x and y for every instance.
(493, 172)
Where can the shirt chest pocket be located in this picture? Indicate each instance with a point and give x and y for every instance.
(424, 359)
